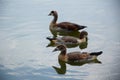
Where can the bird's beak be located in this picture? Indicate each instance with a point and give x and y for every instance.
(49, 14)
(56, 49)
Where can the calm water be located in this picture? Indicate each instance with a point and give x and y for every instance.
(24, 26)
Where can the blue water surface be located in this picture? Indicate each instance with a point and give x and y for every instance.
(24, 26)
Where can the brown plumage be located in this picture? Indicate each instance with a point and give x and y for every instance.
(66, 40)
(63, 26)
(75, 56)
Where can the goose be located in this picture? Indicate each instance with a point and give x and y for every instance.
(63, 26)
(75, 56)
(69, 40)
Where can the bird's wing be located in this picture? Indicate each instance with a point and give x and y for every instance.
(69, 39)
(73, 56)
(70, 26)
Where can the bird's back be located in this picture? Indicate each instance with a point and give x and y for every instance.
(74, 56)
(70, 26)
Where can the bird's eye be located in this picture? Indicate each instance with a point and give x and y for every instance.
(52, 11)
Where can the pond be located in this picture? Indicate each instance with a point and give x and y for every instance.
(24, 51)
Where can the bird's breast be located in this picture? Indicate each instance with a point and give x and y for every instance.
(63, 58)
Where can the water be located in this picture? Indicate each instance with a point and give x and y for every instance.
(24, 26)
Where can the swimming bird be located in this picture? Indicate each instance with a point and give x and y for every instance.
(67, 40)
(63, 26)
(75, 56)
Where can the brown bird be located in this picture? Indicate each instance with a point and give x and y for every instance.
(63, 26)
(67, 40)
(75, 56)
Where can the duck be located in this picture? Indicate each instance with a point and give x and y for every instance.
(62, 68)
(69, 40)
(76, 56)
(63, 26)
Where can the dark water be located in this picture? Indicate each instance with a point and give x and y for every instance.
(24, 26)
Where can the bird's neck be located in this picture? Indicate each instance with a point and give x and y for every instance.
(81, 36)
(55, 19)
(62, 56)
(63, 52)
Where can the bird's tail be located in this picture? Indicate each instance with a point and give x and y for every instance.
(82, 27)
(50, 39)
(96, 53)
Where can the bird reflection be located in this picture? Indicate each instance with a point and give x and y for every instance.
(70, 40)
(62, 69)
(63, 33)
(80, 63)
(82, 45)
